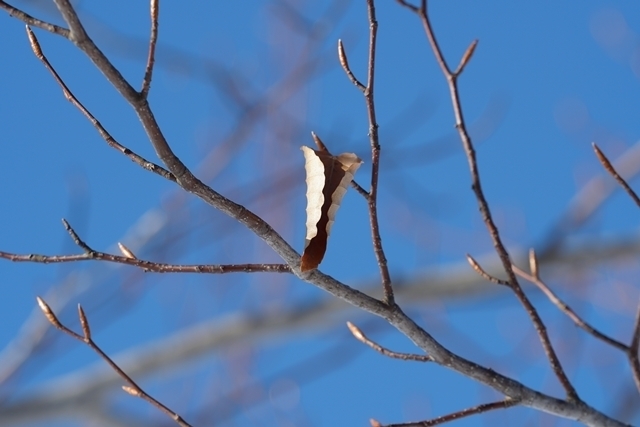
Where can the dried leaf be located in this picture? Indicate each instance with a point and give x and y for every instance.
(327, 180)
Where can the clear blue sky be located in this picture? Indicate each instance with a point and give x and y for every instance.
(545, 82)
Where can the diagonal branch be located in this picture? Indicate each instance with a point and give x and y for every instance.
(609, 168)
(360, 336)
(132, 388)
(483, 205)
(139, 160)
(34, 22)
(564, 307)
(634, 347)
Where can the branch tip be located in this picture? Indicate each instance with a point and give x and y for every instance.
(357, 333)
(51, 317)
(86, 330)
(478, 269)
(342, 57)
(466, 57)
(614, 173)
(130, 390)
(33, 41)
(602, 158)
(533, 264)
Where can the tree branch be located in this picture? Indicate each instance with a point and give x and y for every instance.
(133, 388)
(483, 205)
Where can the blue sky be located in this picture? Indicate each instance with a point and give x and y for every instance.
(545, 82)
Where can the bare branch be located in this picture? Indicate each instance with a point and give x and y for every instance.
(484, 206)
(76, 239)
(89, 341)
(34, 22)
(139, 160)
(91, 254)
(148, 72)
(391, 312)
(484, 274)
(375, 157)
(562, 306)
(609, 168)
(409, 6)
(360, 336)
(149, 266)
(590, 198)
(342, 56)
(634, 347)
(485, 407)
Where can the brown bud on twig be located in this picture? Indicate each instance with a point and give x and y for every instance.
(35, 45)
(48, 313)
(466, 57)
(132, 391)
(603, 159)
(86, 330)
(342, 57)
(357, 333)
(126, 251)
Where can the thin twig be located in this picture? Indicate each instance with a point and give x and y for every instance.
(360, 336)
(591, 197)
(466, 57)
(562, 306)
(634, 347)
(34, 22)
(485, 407)
(149, 266)
(344, 62)
(76, 239)
(609, 168)
(148, 72)
(452, 81)
(412, 8)
(364, 193)
(389, 298)
(139, 160)
(478, 269)
(91, 254)
(372, 194)
(133, 387)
